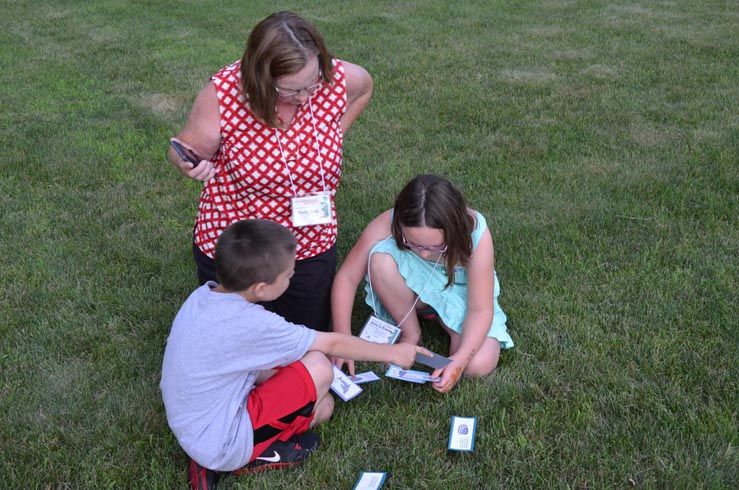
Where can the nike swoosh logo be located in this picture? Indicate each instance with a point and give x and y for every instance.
(271, 459)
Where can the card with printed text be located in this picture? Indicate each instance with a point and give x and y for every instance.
(314, 209)
(409, 375)
(370, 481)
(344, 386)
(379, 331)
(462, 434)
(360, 378)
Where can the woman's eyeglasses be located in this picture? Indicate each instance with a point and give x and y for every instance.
(420, 248)
(287, 93)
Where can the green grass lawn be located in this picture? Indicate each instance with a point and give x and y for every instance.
(600, 140)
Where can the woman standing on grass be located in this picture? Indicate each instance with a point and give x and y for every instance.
(270, 130)
(433, 255)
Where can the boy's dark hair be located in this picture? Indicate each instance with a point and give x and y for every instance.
(253, 251)
(432, 201)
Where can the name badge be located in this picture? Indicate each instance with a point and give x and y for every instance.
(379, 331)
(314, 209)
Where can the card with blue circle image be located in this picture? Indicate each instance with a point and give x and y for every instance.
(462, 434)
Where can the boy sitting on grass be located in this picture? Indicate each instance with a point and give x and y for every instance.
(241, 385)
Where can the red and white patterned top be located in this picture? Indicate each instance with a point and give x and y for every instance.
(253, 180)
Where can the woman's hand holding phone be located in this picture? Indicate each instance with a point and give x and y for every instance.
(191, 163)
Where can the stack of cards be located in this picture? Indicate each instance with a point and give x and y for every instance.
(435, 361)
(409, 375)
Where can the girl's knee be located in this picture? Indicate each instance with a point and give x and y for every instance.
(486, 360)
(383, 267)
(483, 364)
(480, 369)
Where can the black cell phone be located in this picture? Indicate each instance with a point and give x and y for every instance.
(185, 154)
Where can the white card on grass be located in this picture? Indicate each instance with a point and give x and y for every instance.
(462, 434)
(379, 331)
(370, 481)
(364, 377)
(344, 386)
(409, 375)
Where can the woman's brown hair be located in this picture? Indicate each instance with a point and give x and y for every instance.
(279, 45)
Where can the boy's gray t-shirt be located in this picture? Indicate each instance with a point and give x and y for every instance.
(218, 344)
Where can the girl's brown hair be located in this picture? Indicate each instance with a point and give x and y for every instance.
(432, 201)
(279, 45)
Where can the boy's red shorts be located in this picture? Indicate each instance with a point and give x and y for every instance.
(281, 407)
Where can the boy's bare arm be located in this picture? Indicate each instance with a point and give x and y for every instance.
(350, 347)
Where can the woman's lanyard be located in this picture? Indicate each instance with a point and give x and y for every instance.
(372, 293)
(314, 208)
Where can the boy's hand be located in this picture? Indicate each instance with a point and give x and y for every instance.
(339, 363)
(404, 355)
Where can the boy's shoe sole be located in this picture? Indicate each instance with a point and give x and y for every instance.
(282, 454)
(201, 478)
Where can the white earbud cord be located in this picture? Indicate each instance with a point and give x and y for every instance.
(316, 147)
(372, 294)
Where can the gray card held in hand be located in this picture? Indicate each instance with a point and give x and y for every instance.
(435, 361)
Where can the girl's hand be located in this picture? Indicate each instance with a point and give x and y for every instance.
(450, 375)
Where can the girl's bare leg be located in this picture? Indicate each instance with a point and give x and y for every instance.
(484, 361)
(394, 295)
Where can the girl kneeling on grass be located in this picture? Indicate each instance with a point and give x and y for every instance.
(433, 255)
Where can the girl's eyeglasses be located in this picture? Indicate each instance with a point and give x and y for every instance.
(419, 248)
